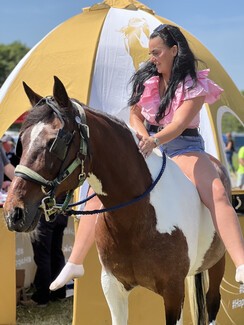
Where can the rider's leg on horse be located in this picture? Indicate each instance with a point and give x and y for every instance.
(84, 239)
(199, 168)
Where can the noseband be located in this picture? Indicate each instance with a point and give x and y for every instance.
(60, 148)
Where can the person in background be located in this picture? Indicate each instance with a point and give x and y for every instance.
(47, 244)
(229, 151)
(240, 170)
(168, 93)
(9, 147)
(6, 168)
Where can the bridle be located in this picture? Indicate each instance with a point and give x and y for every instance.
(60, 148)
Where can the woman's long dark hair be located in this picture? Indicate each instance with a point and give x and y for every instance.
(185, 63)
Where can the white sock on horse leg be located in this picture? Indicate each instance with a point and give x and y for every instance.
(240, 274)
(69, 272)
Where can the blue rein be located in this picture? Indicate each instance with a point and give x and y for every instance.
(121, 205)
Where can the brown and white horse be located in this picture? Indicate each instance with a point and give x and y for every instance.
(155, 242)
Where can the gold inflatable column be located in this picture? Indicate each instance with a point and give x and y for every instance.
(7, 275)
(90, 306)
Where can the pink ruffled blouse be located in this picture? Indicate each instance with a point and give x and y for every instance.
(150, 99)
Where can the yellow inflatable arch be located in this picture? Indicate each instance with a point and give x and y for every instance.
(107, 41)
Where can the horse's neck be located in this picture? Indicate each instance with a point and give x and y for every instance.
(117, 169)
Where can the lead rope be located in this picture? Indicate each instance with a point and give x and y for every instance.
(121, 205)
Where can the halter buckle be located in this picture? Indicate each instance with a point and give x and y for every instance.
(49, 207)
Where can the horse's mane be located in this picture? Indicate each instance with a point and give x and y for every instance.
(45, 114)
(107, 116)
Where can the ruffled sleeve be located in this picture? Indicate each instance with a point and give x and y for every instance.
(150, 99)
(204, 87)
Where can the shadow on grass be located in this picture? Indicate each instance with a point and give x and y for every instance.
(55, 313)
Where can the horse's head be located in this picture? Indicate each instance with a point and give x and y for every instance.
(53, 146)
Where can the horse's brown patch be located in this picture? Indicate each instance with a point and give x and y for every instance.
(137, 254)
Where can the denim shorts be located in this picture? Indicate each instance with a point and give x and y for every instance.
(183, 144)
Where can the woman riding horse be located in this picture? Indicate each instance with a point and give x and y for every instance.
(64, 143)
(168, 94)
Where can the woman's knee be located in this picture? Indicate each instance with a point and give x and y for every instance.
(213, 193)
(219, 193)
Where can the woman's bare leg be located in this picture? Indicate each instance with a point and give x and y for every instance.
(198, 167)
(84, 239)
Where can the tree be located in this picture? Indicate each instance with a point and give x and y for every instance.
(10, 55)
(230, 124)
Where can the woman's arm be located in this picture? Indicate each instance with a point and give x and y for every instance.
(137, 121)
(182, 118)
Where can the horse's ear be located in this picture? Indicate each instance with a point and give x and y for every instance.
(60, 93)
(33, 97)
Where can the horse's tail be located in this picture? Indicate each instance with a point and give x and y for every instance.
(197, 288)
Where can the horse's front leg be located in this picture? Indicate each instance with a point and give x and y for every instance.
(117, 298)
(173, 294)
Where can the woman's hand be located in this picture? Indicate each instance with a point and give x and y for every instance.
(146, 145)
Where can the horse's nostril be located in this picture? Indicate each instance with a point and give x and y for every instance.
(18, 215)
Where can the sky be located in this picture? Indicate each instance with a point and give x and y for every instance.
(217, 24)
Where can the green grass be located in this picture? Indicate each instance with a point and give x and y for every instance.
(56, 313)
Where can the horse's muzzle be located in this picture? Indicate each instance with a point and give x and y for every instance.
(16, 220)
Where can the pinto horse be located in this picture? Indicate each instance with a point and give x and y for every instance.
(161, 237)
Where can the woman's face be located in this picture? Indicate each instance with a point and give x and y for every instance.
(162, 55)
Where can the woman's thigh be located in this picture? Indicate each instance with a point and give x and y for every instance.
(201, 171)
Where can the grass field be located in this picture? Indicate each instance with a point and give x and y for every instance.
(56, 313)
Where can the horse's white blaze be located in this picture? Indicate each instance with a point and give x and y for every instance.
(187, 213)
(36, 130)
(96, 184)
